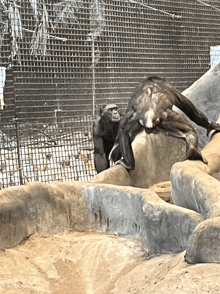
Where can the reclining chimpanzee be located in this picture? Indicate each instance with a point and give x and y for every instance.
(150, 108)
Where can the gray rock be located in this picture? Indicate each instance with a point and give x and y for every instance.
(204, 243)
(194, 189)
(141, 214)
(205, 94)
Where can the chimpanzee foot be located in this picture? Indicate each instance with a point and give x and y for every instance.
(114, 152)
(194, 154)
(213, 127)
(124, 164)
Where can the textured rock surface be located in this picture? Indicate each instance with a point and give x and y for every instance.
(194, 188)
(141, 214)
(88, 263)
(163, 190)
(79, 206)
(171, 275)
(42, 208)
(205, 94)
(75, 263)
(204, 243)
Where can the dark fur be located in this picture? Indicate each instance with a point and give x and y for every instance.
(105, 130)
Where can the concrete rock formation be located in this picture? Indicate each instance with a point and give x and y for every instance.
(82, 263)
(195, 188)
(150, 150)
(205, 94)
(125, 211)
(204, 242)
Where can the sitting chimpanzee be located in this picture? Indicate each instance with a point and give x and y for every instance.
(150, 108)
(105, 130)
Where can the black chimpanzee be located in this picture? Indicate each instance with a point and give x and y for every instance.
(105, 130)
(150, 108)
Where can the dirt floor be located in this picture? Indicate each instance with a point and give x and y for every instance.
(90, 263)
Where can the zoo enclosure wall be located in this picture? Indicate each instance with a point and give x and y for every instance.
(62, 60)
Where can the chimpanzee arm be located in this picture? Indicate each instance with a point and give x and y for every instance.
(100, 161)
(127, 128)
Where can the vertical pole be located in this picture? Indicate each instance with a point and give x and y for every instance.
(14, 96)
(93, 78)
(16, 129)
(18, 151)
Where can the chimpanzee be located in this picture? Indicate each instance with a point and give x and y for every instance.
(105, 130)
(150, 108)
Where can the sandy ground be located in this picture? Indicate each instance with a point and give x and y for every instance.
(92, 263)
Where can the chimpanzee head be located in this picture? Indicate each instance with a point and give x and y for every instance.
(110, 112)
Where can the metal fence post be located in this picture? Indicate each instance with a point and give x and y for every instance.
(16, 130)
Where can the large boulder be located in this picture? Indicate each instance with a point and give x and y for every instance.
(154, 155)
(194, 187)
(80, 206)
(205, 94)
(204, 242)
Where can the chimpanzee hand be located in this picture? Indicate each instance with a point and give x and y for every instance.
(124, 164)
(213, 126)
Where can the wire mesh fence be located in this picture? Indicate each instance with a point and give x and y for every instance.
(62, 60)
(46, 153)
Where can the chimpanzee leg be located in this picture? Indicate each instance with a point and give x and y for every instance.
(174, 125)
(100, 161)
(194, 113)
(127, 130)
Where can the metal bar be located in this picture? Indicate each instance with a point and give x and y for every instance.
(17, 133)
(18, 152)
(93, 77)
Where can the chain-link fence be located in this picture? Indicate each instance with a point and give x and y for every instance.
(61, 60)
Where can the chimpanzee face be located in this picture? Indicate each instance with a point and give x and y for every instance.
(111, 112)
